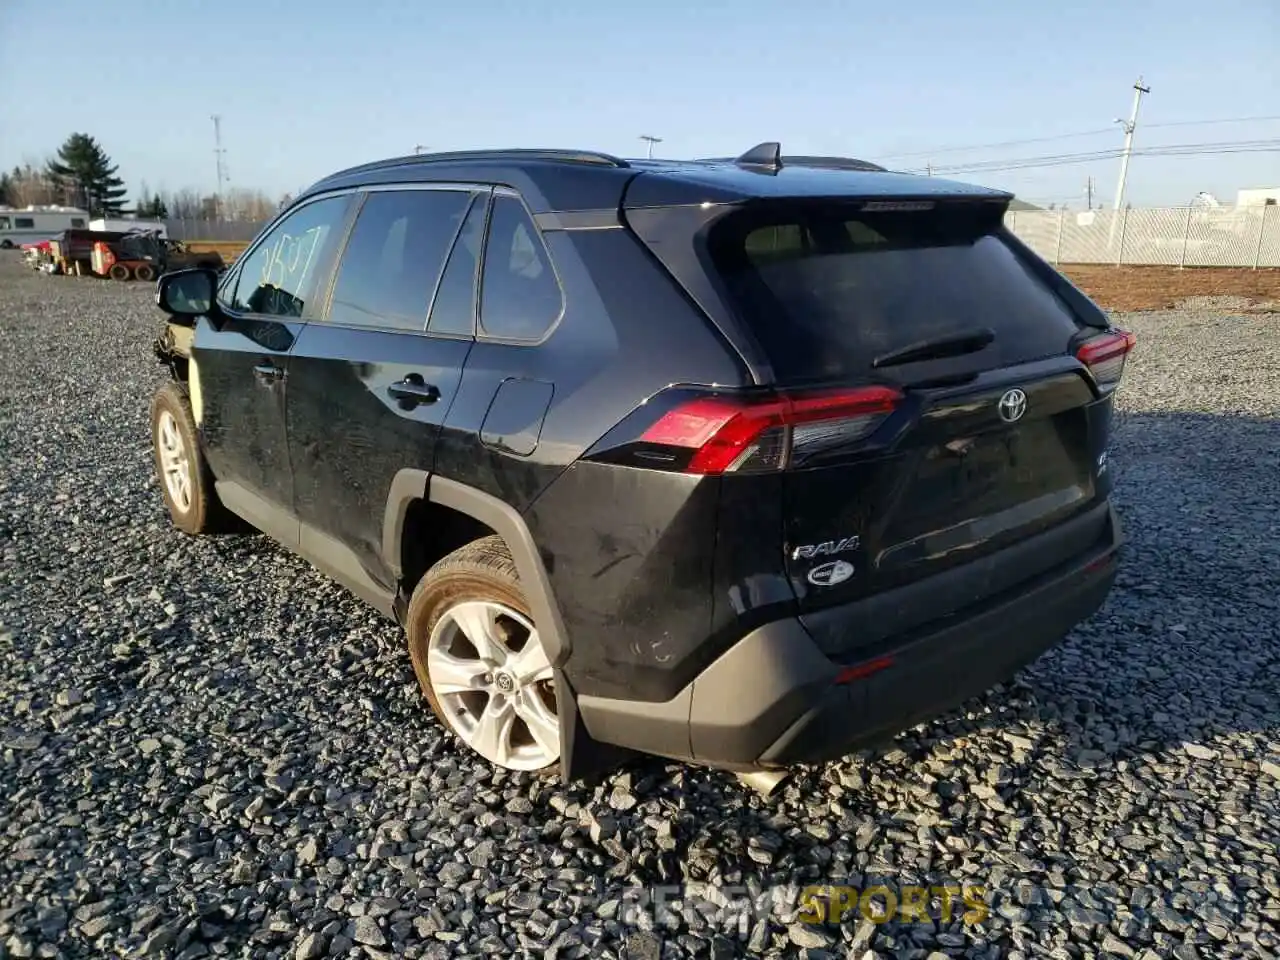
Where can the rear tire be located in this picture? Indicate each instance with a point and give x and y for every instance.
(6, 244)
(119, 271)
(479, 660)
(185, 478)
(145, 273)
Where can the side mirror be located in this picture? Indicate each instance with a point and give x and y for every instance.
(187, 293)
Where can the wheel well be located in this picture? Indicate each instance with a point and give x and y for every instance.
(431, 532)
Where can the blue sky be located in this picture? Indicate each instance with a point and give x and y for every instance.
(305, 88)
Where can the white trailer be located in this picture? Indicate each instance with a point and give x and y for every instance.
(125, 224)
(19, 225)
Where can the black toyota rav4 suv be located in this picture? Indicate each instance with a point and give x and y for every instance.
(747, 462)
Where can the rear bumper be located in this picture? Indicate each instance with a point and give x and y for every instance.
(775, 699)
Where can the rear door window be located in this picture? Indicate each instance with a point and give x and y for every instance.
(453, 310)
(395, 257)
(826, 288)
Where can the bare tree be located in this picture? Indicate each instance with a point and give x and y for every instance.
(186, 204)
(241, 203)
(29, 186)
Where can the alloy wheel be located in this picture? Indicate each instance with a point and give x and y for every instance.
(175, 464)
(493, 682)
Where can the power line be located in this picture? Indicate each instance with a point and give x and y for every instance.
(992, 146)
(1065, 159)
(1273, 147)
(1202, 123)
(1071, 136)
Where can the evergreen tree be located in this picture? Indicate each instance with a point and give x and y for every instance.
(6, 189)
(88, 175)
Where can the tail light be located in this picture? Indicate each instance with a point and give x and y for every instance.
(1105, 355)
(735, 435)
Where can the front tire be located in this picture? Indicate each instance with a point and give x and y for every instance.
(185, 478)
(480, 661)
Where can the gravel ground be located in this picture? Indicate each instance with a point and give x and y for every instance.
(206, 748)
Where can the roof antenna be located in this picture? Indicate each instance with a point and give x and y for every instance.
(767, 155)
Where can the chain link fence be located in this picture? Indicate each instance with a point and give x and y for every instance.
(223, 231)
(1169, 236)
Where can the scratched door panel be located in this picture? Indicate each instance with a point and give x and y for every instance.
(368, 386)
(243, 363)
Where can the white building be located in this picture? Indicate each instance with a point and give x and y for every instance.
(1256, 196)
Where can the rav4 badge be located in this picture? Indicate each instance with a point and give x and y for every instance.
(829, 574)
(810, 550)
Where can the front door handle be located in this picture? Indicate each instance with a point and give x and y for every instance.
(268, 373)
(413, 390)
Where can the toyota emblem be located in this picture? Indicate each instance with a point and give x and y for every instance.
(1013, 405)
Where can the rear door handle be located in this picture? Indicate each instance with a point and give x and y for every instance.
(413, 390)
(268, 372)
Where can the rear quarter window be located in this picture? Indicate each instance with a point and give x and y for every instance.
(827, 288)
(520, 297)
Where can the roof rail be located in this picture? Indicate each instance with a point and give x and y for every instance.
(464, 156)
(527, 153)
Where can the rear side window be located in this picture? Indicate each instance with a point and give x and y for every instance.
(520, 296)
(24, 223)
(395, 257)
(826, 288)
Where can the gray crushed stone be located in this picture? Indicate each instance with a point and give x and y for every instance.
(208, 749)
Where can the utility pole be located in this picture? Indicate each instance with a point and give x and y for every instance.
(1138, 90)
(650, 141)
(928, 169)
(1088, 192)
(218, 152)
(419, 148)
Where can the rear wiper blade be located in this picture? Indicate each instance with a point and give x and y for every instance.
(953, 345)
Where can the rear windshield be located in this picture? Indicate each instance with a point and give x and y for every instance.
(828, 288)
